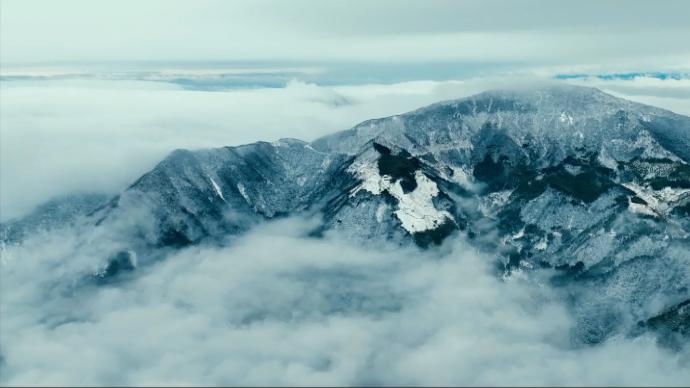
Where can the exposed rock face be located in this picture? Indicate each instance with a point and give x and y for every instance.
(592, 189)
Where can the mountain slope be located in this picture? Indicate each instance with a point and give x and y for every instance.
(587, 190)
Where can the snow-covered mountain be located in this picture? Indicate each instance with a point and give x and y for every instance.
(569, 185)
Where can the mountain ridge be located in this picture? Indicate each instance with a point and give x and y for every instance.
(566, 179)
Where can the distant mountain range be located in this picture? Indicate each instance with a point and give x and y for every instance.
(565, 184)
(627, 76)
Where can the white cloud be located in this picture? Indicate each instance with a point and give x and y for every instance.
(77, 135)
(58, 137)
(671, 94)
(278, 308)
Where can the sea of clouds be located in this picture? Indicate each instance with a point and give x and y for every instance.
(276, 307)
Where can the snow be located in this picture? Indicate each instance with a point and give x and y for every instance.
(500, 198)
(416, 210)
(493, 201)
(659, 202)
(669, 194)
(519, 234)
(133, 259)
(606, 160)
(371, 180)
(565, 118)
(380, 211)
(651, 148)
(243, 191)
(462, 177)
(572, 170)
(641, 209)
(460, 144)
(216, 188)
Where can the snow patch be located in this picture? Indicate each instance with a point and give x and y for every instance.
(641, 209)
(372, 182)
(659, 202)
(565, 118)
(651, 148)
(416, 210)
(606, 160)
(573, 170)
(217, 189)
(461, 144)
(243, 191)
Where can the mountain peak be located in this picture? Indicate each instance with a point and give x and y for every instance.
(592, 187)
(556, 119)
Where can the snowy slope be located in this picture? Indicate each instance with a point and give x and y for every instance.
(591, 189)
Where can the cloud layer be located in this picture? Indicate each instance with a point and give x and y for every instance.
(61, 136)
(279, 308)
(64, 136)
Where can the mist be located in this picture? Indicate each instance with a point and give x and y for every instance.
(276, 307)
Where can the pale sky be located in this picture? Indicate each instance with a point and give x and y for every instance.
(121, 83)
(619, 35)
